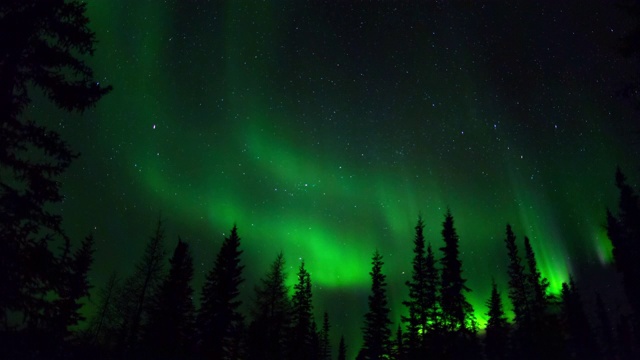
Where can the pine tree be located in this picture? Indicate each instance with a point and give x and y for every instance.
(422, 303)
(399, 351)
(497, 330)
(537, 285)
(75, 287)
(271, 315)
(43, 45)
(456, 311)
(103, 327)
(517, 280)
(325, 341)
(220, 322)
(581, 344)
(170, 328)
(302, 326)
(376, 325)
(342, 349)
(605, 330)
(133, 298)
(624, 234)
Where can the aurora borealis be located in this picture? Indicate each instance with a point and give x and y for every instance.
(324, 129)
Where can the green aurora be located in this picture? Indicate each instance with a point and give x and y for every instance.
(323, 131)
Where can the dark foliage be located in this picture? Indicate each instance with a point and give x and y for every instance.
(496, 339)
(376, 332)
(271, 315)
(220, 323)
(170, 329)
(303, 329)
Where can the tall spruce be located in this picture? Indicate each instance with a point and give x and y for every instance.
(342, 349)
(170, 329)
(422, 303)
(517, 280)
(456, 311)
(219, 321)
(497, 331)
(604, 330)
(44, 44)
(103, 327)
(135, 296)
(271, 315)
(376, 330)
(580, 342)
(536, 283)
(624, 233)
(301, 345)
(325, 340)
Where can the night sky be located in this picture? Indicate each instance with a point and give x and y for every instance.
(324, 130)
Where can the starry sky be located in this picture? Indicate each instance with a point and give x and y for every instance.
(323, 129)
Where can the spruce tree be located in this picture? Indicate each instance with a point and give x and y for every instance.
(537, 285)
(342, 349)
(103, 327)
(456, 311)
(219, 320)
(43, 45)
(624, 233)
(581, 344)
(271, 315)
(376, 324)
(517, 279)
(605, 330)
(422, 303)
(497, 331)
(135, 296)
(301, 344)
(325, 341)
(170, 329)
(399, 351)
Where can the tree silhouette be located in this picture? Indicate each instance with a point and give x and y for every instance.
(581, 344)
(303, 329)
(605, 330)
(422, 303)
(135, 296)
(497, 331)
(376, 330)
(104, 326)
(517, 280)
(220, 323)
(456, 311)
(42, 44)
(170, 328)
(624, 233)
(325, 342)
(457, 321)
(271, 315)
(342, 349)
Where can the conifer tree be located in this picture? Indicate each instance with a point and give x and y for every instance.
(456, 311)
(399, 351)
(376, 324)
(605, 330)
(624, 233)
(422, 303)
(517, 280)
(44, 45)
(581, 344)
(271, 321)
(219, 320)
(103, 327)
(76, 286)
(325, 342)
(497, 330)
(303, 325)
(537, 285)
(342, 349)
(137, 292)
(170, 328)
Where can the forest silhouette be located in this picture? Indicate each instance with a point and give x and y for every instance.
(151, 313)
